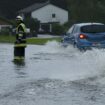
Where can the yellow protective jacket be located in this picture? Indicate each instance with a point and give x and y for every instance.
(20, 35)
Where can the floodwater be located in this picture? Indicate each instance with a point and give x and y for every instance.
(52, 75)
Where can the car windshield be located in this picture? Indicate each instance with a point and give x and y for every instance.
(67, 34)
(93, 29)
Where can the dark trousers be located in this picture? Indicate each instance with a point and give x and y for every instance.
(19, 51)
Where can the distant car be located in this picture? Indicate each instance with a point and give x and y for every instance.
(85, 35)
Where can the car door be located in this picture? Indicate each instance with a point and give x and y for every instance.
(70, 34)
(74, 34)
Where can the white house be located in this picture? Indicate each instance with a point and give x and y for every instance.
(4, 24)
(46, 13)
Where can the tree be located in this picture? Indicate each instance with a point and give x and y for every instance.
(32, 23)
(58, 29)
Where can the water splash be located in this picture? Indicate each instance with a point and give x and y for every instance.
(69, 63)
(67, 76)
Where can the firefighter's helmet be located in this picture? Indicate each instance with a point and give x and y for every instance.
(19, 18)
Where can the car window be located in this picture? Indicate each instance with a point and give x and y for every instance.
(71, 29)
(75, 30)
(93, 29)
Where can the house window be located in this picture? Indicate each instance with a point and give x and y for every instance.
(53, 15)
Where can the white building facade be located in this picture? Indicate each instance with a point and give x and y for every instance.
(50, 13)
(46, 13)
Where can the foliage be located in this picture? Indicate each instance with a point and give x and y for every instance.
(86, 11)
(31, 23)
(10, 8)
(79, 10)
(58, 29)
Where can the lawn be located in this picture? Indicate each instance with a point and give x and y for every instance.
(7, 39)
(35, 40)
(41, 41)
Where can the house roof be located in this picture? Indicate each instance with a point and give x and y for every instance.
(34, 7)
(4, 21)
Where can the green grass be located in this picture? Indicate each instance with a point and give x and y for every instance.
(41, 41)
(7, 39)
(38, 41)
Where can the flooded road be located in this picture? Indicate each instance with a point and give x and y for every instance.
(52, 75)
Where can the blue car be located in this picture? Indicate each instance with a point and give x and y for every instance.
(85, 35)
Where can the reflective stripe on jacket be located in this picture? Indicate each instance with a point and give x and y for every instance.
(20, 45)
(23, 27)
(20, 34)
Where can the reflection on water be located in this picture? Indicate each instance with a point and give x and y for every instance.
(19, 62)
(19, 67)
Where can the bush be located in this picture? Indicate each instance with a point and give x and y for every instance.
(58, 29)
(32, 23)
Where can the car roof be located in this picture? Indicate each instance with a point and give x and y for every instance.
(90, 23)
(85, 24)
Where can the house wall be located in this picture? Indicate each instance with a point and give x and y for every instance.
(5, 26)
(44, 14)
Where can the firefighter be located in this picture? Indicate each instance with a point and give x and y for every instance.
(20, 43)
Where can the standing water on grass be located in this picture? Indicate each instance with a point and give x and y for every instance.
(52, 75)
